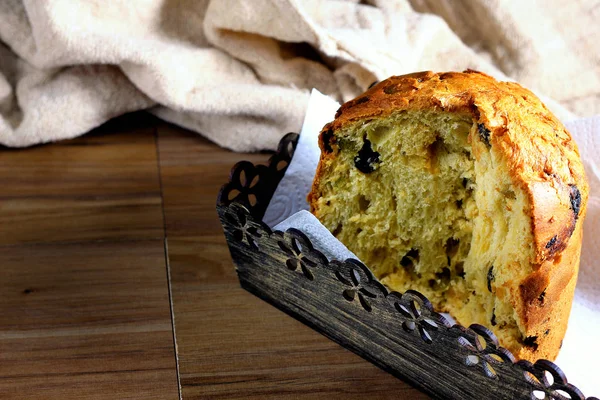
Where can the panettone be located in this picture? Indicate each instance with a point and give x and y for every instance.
(466, 189)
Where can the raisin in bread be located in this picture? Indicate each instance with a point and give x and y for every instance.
(466, 189)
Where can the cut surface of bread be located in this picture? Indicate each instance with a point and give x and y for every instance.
(417, 179)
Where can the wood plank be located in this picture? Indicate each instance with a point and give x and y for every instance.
(102, 186)
(86, 320)
(232, 345)
(193, 172)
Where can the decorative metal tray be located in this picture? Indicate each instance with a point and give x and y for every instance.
(341, 299)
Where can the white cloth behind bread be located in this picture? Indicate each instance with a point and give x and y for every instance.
(240, 72)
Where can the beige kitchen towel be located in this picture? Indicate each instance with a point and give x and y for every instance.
(240, 72)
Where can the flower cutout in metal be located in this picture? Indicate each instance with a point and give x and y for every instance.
(245, 184)
(483, 350)
(245, 229)
(301, 254)
(354, 274)
(549, 382)
(418, 314)
(285, 152)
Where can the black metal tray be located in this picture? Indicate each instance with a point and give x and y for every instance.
(341, 299)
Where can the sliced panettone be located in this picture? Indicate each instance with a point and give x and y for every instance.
(466, 189)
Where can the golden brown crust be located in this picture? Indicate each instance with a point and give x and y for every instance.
(543, 161)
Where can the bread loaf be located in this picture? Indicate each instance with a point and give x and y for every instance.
(466, 189)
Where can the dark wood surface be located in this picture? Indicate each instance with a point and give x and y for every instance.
(93, 233)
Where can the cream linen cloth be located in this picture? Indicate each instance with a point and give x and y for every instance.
(240, 72)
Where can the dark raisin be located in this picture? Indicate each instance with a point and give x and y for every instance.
(407, 262)
(337, 230)
(575, 197)
(547, 332)
(327, 137)
(414, 254)
(409, 259)
(367, 159)
(361, 100)
(493, 321)
(542, 296)
(373, 84)
(460, 270)
(459, 203)
(551, 242)
(490, 278)
(391, 89)
(531, 341)
(451, 247)
(465, 182)
(484, 134)
(444, 275)
(363, 203)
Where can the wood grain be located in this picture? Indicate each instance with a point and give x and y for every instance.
(102, 186)
(84, 311)
(232, 345)
(85, 320)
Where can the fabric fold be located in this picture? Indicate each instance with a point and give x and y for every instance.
(240, 73)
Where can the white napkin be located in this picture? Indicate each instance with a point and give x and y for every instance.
(321, 238)
(580, 348)
(290, 195)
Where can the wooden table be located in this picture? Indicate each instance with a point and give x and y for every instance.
(117, 283)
